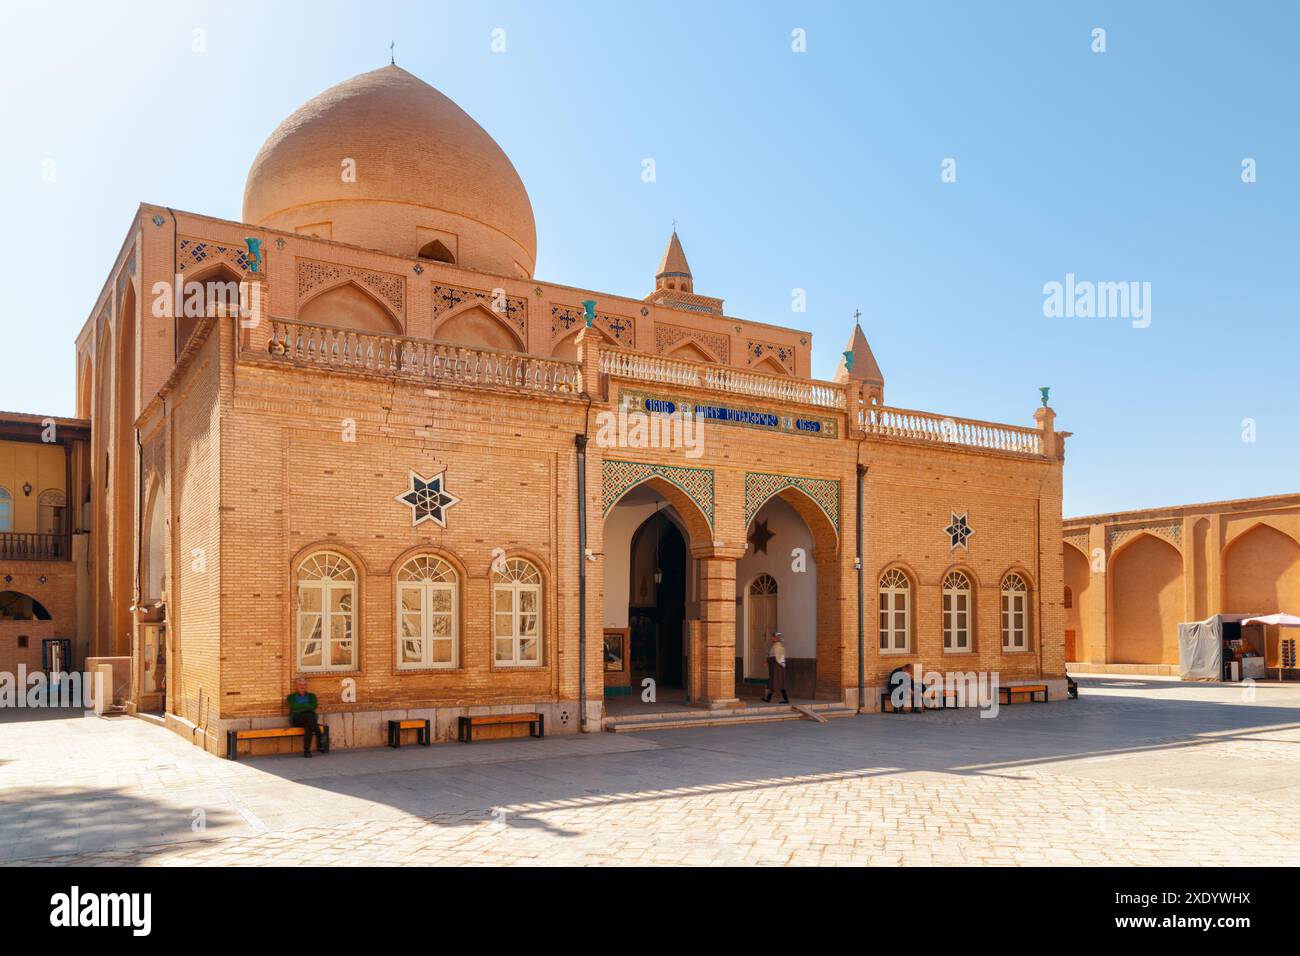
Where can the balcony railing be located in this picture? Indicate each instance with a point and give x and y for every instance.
(21, 546)
(421, 359)
(644, 367)
(925, 426)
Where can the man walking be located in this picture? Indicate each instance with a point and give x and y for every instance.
(302, 713)
(776, 669)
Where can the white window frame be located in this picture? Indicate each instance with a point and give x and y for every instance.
(516, 578)
(6, 510)
(424, 575)
(957, 616)
(335, 574)
(891, 595)
(1015, 600)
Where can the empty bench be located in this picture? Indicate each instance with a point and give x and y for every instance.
(536, 724)
(233, 737)
(395, 728)
(1006, 694)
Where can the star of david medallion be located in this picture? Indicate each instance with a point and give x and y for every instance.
(958, 531)
(427, 499)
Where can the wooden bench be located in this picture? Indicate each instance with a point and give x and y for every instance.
(887, 697)
(536, 724)
(1006, 693)
(395, 728)
(233, 737)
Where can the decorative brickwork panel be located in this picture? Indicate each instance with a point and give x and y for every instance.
(1170, 532)
(512, 309)
(313, 275)
(194, 253)
(757, 351)
(618, 476)
(564, 319)
(760, 487)
(667, 337)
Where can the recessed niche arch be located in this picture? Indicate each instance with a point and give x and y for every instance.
(476, 326)
(349, 306)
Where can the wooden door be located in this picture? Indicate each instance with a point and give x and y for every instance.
(760, 625)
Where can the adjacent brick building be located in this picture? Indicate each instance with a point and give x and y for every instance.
(367, 464)
(1132, 577)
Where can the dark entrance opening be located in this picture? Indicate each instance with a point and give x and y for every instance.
(656, 617)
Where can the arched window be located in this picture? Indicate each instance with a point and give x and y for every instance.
(428, 623)
(763, 584)
(16, 606)
(51, 511)
(327, 613)
(956, 612)
(1015, 613)
(895, 600)
(6, 510)
(517, 614)
(435, 250)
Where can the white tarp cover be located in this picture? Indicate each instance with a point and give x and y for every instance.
(1200, 649)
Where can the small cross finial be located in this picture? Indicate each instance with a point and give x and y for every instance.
(857, 316)
(392, 55)
(674, 225)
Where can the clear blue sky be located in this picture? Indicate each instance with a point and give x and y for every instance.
(818, 170)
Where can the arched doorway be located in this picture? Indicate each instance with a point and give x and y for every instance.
(652, 589)
(790, 541)
(657, 602)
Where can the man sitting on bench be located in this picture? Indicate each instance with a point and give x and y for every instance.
(302, 713)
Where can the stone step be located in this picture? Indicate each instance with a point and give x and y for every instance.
(747, 715)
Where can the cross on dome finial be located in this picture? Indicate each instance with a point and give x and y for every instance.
(392, 55)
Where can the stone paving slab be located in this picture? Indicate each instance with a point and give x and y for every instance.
(1135, 772)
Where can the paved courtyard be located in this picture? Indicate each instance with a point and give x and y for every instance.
(1137, 771)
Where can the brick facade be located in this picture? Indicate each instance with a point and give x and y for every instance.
(293, 431)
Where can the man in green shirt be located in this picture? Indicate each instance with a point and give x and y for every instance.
(302, 713)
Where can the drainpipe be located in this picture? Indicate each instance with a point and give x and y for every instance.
(862, 641)
(581, 442)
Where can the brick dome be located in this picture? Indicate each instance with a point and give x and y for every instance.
(428, 179)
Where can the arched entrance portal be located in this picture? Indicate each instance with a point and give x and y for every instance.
(650, 592)
(786, 581)
(657, 602)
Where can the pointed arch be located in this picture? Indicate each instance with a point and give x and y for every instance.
(1261, 571)
(688, 350)
(824, 527)
(699, 529)
(1145, 581)
(436, 250)
(217, 295)
(1252, 528)
(769, 365)
(474, 325)
(349, 305)
(125, 499)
